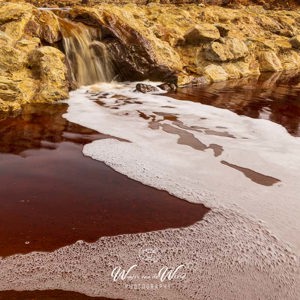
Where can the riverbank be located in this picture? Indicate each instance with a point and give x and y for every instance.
(186, 44)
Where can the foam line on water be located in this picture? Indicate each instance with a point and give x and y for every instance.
(225, 256)
(155, 157)
(246, 247)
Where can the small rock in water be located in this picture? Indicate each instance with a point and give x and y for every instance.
(169, 87)
(146, 88)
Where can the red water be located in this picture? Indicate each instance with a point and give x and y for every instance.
(271, 96)
(51, 195)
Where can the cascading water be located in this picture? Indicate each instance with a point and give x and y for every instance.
(88, 58)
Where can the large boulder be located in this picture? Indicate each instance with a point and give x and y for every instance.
(45, 25)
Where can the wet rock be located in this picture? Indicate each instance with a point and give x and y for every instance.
(201, 33)
(132, 64)
(215, 73)
(146, 88)
(269, 62)
(169, 87)
(295, 41)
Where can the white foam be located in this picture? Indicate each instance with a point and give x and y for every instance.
(224, 257)
(154, 157)
(229, 254)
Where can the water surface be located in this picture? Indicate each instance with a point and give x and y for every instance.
(272, 96)
(51, 195)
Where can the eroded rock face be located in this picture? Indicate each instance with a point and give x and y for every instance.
(187, 44)
(270, 4)
(29, 72)
(192, 44)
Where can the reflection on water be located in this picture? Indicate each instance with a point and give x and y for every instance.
(51, 195)
(41, 126)
(275, 97)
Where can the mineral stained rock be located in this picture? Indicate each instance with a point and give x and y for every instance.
(186, 44)
(29, 72)
(181, 44)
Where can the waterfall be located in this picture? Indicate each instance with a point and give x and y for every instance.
(87, 57)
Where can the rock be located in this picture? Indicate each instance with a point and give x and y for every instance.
(269, 62)
(169, 87)
(201, 33)
(49, 27)
(184, 79)
(14, 17)
(146, 88)
(223, 29)
(28, 45)
(29, 73)
(232, 70)
(290, 60)
(215, 73)
(48, 65)
(9, 90)
(231, 49)
(136, 56)
(218, 52)
(197, 81)
(237, 47)
(11, 12)
(11, 59)
(295, 41)
(186, 44)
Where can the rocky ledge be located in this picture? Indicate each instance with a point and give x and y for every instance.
(186, 44)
